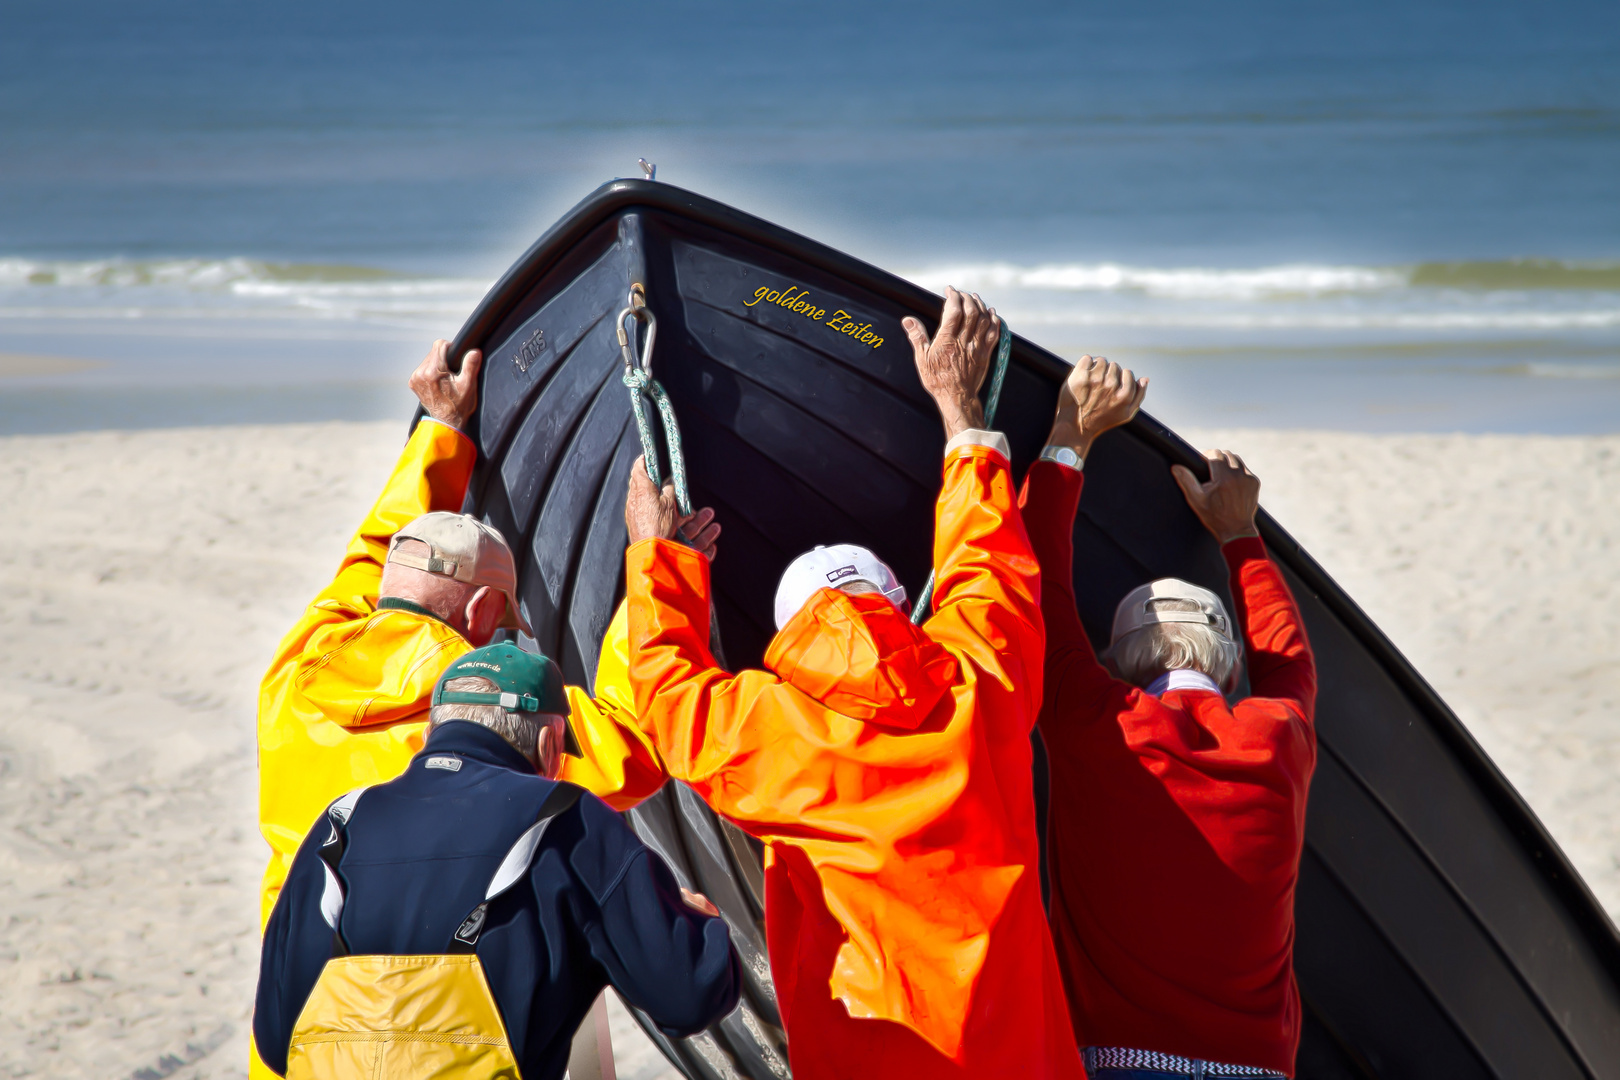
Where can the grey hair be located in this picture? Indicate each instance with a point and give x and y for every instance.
(1143, 655)
(520, 729)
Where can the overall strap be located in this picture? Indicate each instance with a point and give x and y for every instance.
(515, 865)
(337, 816)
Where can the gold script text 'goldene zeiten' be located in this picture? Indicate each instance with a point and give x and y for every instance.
(798, 301)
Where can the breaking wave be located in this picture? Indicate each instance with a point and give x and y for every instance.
(1190, 282)
(229, 288)
(1507, 297)
(1277, 282)
(1463, 321)
(1500, 297)
(186, 273)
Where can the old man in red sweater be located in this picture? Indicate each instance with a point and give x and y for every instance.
(1176, 819)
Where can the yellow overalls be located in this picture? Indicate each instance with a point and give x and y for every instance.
(417, 1017)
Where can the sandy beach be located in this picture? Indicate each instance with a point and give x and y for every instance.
(151, 573)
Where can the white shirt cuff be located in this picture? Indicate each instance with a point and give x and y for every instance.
(1182, 679)
(995, 440)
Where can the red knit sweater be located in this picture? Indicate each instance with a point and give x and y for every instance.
(1175, 823)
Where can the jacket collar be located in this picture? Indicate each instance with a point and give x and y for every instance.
(399, 603)
(469, 740)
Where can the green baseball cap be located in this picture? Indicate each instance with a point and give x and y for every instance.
(529, 682)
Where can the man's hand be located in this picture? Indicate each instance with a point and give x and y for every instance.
(1228, 502)
(1098, 395)
(701, 531)
(650, 513)
(954, 364)
(449, 397)
(698, 902)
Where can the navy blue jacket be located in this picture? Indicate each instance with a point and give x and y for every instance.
(599, 907)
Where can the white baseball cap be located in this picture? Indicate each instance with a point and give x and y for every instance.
(464, 548)
(828, 568)
(1137, 609)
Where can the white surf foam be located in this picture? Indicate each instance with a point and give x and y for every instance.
(1324, 321)
(1428, 298)
(1207, 283)
(1310, 298)
(213, 289)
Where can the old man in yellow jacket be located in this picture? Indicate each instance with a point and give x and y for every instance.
(345, 701)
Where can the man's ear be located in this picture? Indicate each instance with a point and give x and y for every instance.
(484, 611)
(548, 750)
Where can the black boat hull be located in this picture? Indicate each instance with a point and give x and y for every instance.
(1441, 932)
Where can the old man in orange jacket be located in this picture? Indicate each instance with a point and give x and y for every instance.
(886, 766)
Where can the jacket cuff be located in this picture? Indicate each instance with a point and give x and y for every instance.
(993, 440)
(688, 567)
(430, 432)
(1243, 549)
(426, 419)
(1054, 472)
(656, 547)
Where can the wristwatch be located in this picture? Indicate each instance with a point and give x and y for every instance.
(1063, 455)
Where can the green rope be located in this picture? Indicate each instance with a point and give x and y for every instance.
(643, 386)
(999, 375)
(925, 599)
(639, 379)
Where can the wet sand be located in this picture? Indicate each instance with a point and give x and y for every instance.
(150, 574)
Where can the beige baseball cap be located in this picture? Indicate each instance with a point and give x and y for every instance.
(1138, 610)
(466, 549)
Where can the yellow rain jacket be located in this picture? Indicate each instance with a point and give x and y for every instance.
(345, 701)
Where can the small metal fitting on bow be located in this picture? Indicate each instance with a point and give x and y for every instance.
(638, 311)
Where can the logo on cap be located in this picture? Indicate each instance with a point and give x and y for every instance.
(841, 572)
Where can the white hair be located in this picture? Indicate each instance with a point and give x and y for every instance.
(521, 729)
(1143, 655)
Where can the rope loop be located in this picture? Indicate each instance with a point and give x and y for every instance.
(643, 387)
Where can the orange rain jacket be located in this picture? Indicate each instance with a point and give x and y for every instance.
(345, 701)
(887, 768)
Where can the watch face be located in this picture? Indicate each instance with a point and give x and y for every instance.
(1063, 455)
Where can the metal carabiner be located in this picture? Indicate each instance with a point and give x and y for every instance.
(639, 311)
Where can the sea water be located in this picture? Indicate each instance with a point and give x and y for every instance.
(1372, 216)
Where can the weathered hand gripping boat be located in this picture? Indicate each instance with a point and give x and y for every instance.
(1441, 932)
